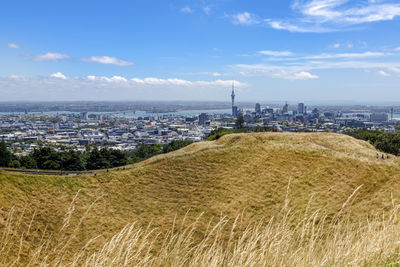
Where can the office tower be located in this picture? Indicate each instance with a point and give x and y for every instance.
(257, 108)
(391, 114)
(202, 119)
(84, 116)
(285, 108)
(379, 117)
(300, 108)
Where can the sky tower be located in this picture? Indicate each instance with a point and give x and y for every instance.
(234, 108)
(233, 94)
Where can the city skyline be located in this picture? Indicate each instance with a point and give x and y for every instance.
(313, 51)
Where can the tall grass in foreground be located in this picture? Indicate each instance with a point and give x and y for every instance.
(313, 238)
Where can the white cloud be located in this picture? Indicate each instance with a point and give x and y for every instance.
(397, 48)
(50, 57)
(349, 65)
(360, 44)
(119, 79)
(186, 10)
(280, 25)
(180, 82)
(335, 11)
(244, 18)
(349, 55)
(301, 67)
(304, 75)
(58, 75)
(216, 74)
(160, 81)
(328, 15)
(287, 56)
(109, 60)
(207, 10)
(383, 73)
(276, 53)
(395, 69)
(274, 71)
(13, 45)
(220, 83)
(16, 77)
(58, 86)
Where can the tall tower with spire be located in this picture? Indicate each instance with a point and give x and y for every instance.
(234, 108)
(233, 94)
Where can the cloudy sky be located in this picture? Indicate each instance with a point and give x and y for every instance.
(309, 50)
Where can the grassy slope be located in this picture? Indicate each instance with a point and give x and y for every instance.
(238, 172)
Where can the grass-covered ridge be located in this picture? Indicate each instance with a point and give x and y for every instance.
(238, 173)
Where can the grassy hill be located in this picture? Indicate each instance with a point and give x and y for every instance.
(239, 173)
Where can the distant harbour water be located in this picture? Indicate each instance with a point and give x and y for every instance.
(138, 113)
(395, 115)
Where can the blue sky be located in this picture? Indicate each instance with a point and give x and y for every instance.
(308, 50)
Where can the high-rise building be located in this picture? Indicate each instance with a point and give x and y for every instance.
(379, 117)
(391, 114)
(84, 116)
(285, 108)
(300, 108)
(257, 108)
(202, 119)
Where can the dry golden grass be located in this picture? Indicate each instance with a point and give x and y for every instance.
(315, 240)
(239, 174)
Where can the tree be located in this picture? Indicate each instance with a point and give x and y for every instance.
(28, 162)
(117, 158)
(72, 161)
(145, 151)
(14, 163)
(5, 155)
(97, 160)
(47, 158)
(385, 142)
(175, 145)
(51, 165)
(240, 121)
(218, 133)
(105, 158)
(389, 143)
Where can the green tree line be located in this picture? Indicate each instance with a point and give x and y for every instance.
(385, 142)
(46, 158)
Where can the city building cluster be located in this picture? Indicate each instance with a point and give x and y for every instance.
(81, 131)
(25, 132)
